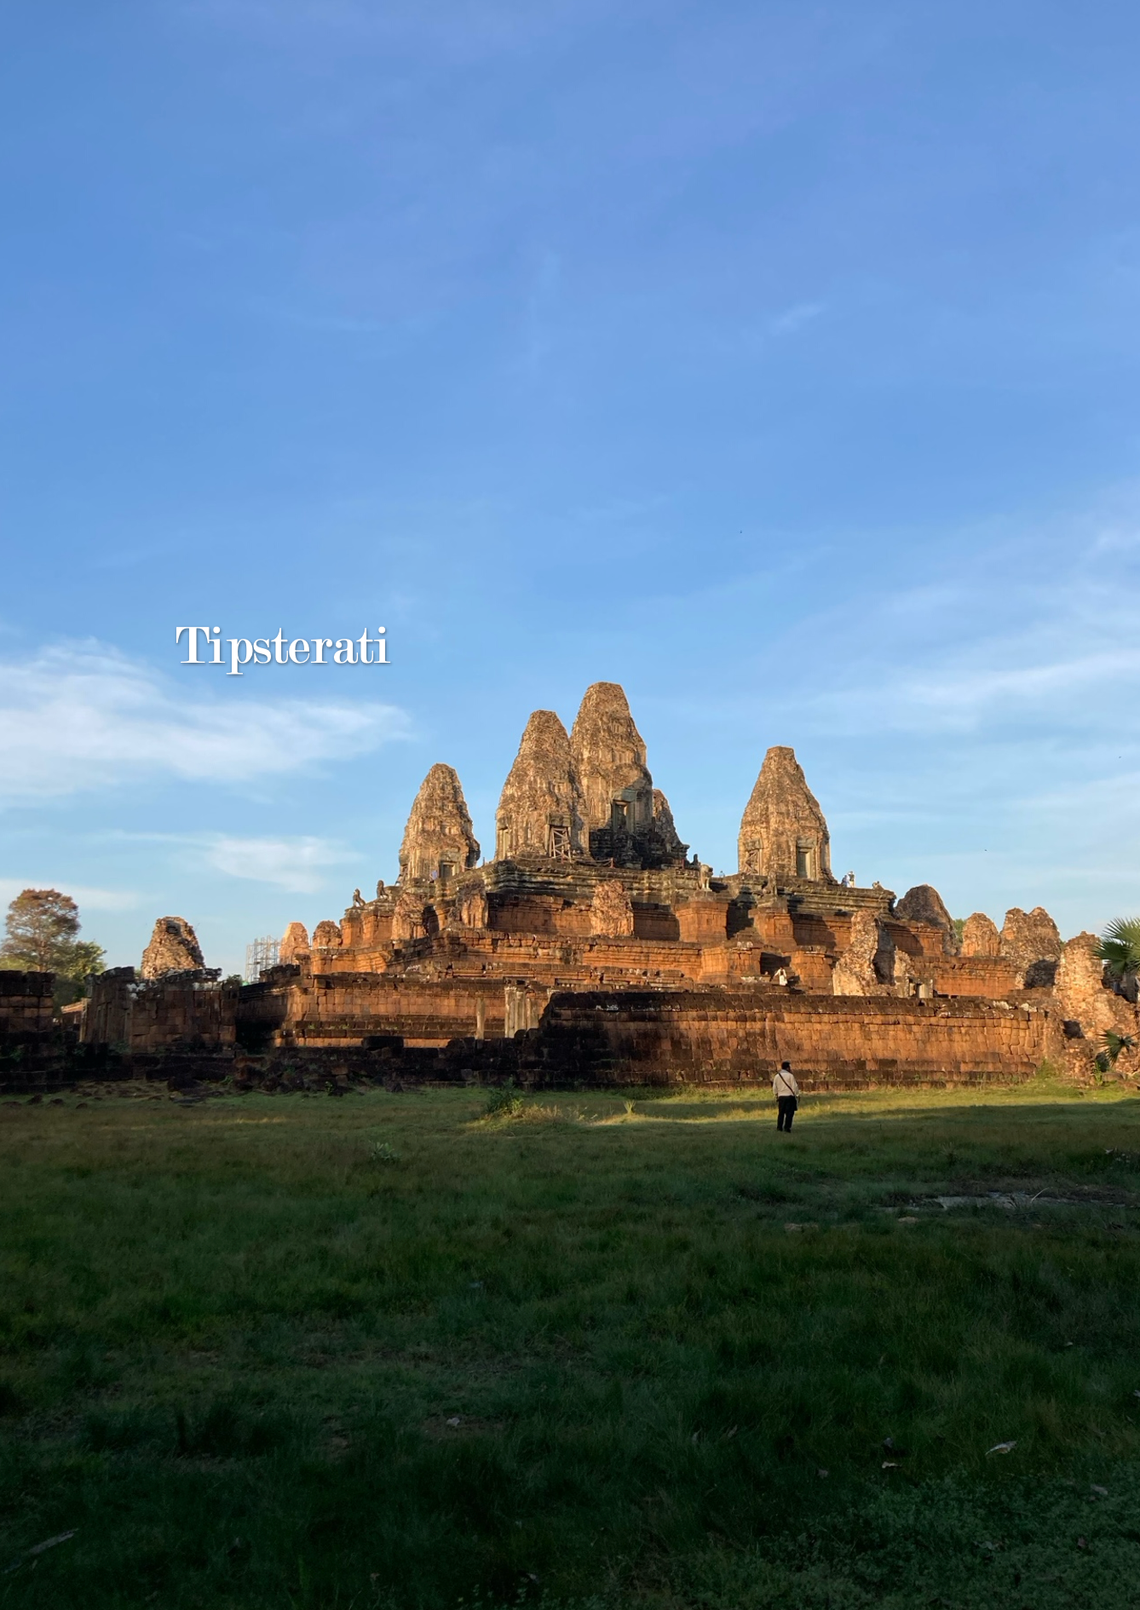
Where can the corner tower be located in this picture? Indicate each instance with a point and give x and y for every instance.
(783, 834)
(609, 755)
(438, 840)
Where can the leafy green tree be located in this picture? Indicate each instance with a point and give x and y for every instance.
(1119, 949)
(40, 937)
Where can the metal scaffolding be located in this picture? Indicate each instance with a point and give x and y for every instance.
(260, 955)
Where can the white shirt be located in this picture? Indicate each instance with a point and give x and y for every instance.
(784, 1084)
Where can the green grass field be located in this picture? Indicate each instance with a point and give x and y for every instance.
(386, 1351)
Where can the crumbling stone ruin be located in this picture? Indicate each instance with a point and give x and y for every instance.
(866, 965)
(185, 1010)
(1031, 944)
(980, 936)
(592, 948)
(173, 1003)
(924, 904)
(173, 948)
(1086, 1005)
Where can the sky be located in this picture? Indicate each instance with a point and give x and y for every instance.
(778, 361)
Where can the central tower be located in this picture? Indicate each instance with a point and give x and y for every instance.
(609, 757)
(540, 808)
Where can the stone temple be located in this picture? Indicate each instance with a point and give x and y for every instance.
(593, 947)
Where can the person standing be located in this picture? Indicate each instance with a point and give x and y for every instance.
(787, 1094)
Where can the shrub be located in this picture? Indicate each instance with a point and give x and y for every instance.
(505, 1102)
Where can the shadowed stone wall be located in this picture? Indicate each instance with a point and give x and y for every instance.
(25, 1004)
(831, 1043)
(192, 1010)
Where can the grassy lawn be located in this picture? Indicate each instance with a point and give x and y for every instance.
(383, 1350)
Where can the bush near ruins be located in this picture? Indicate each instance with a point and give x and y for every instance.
(41, 930)
(505, 1102)
(1112, 1044)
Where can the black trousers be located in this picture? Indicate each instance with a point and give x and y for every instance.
(786, 1111)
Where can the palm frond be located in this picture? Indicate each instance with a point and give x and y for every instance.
(1119, 946)
(1113, 1044)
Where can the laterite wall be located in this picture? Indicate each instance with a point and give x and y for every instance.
(834, 1042)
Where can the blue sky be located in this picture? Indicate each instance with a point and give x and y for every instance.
(776, 360)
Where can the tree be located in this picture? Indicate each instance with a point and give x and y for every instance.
(1111, 1045)
(40, 938)
(1119, 950)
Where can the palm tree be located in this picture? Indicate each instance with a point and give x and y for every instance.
(1119, 950)
(1111, 1045)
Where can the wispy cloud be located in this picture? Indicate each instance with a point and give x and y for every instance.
(953, 697)
(795, 317)
(85, 897)
(295, 864)
(82, 716)
(1019, 631)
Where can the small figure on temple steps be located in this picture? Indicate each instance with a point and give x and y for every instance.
(379, 888)
(357, 898)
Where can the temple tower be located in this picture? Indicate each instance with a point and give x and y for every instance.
(923, 903)
(540, 809)
(980, 936)
(173, 948)
(783, 834)
(438, 840)
(1031, 942)
(295, 949)
(609, 755)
